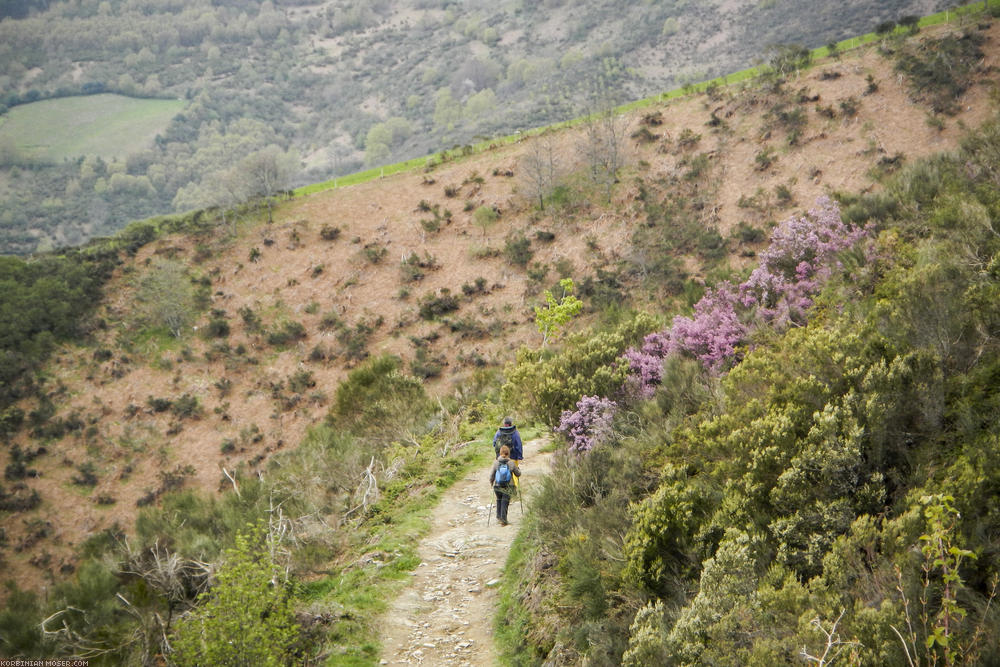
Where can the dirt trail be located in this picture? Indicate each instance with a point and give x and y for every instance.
(445, 616)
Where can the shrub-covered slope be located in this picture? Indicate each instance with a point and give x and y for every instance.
(827, 484)
(189, 412)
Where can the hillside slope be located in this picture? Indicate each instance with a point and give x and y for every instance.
(230, 397)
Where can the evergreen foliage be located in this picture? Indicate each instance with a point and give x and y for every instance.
(45, 301)
(245, 617)
(378, 398)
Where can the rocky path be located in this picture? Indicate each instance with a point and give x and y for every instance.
(445, 616)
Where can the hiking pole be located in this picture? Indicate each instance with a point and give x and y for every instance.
(489, 515)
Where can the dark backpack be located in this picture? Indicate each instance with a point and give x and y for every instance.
(505, 438)
(502, 476)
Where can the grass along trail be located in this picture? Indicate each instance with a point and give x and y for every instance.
(445, 616)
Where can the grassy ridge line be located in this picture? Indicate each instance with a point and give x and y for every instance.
(725, 80)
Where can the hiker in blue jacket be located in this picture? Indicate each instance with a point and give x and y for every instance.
(502, 478)
(508, 435)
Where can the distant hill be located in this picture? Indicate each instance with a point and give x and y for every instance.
(350, 83)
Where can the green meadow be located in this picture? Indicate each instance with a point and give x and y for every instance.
(109, 126)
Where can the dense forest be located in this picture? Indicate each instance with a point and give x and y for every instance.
(346, 84)
(792, 459)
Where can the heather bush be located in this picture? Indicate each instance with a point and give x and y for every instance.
(714, 332)
(589, 424)
(800, 258)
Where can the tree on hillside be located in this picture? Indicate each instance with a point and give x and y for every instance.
(165, 297)
(555, 314)
(603, 143)
(538, 169)
(266, 173)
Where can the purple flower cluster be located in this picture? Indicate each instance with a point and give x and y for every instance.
(712, 335)
(801, 257)
(589, 424)
(646, 365)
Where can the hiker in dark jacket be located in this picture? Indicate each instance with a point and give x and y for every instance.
(508, 435)
(502, 489)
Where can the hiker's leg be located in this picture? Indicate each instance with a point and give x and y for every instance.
(500, 498)
(517, 462)
(503, 503)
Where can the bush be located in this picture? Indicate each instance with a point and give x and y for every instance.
(941, 70)
(413, 267)
(477, 287)
(330, 321)
(20, 498)
(355, 340)
(434, 305)
(424, 366)
(87, 475)
(186, 406)
(158, 404)
(517, 250)
(377, 399)
(217, 327)
(747, 233)
(588, 365)
(375, 253)
(244, 618)
(287, 333)
(251, 320)
(300, 381)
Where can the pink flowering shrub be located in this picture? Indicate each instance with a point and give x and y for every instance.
(646, 365)
(589, 424)
(711, 336)
(801, 258)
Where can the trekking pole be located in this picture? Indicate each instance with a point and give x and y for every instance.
(520, 498)
(489, 515)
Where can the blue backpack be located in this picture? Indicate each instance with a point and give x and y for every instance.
(502, 476)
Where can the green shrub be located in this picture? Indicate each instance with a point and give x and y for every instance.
(86, 475)
(477, 287)
(159, 404)
(217, 327)
(244, 618)
(300, 381)
(425, 366)
(251, 319)
(330, 321)
(377, 398)
(433, 305)
(288, 332)
(485, 217)
(375, 253)
(186, 406)
(587, 365)
(941, 70)
(517, 250)
(355, 339)
(747, 233)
